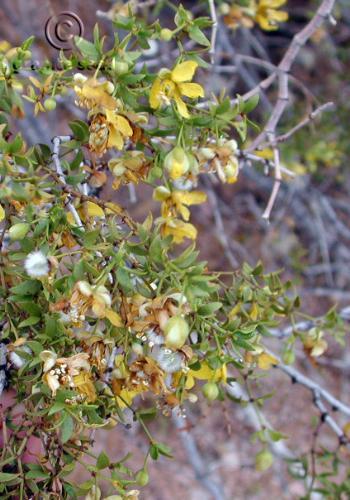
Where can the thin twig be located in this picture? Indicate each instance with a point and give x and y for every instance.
(200, 469)
(299, 40)
(214, 30)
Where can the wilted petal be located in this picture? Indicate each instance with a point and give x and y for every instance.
(49, 358)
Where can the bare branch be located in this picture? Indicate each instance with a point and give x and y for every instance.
(214, 30)
(200, 469)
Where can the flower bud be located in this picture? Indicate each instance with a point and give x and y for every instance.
(50, 104)
(119, 67)
(161, 193)
(94, 493)
(210, 390)
(137, 348)
(263, 460)
(176, 331)
(231, 170)
(79, 78)
(19, 231)
(224, 9)
(84, 288)
(109, 87)
(232, 144)
(288, 357)
(177, 162)
(166, 34)
(142, 477)
(207, 153)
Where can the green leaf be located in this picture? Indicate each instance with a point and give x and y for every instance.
(209, 309)
(198, 36)
(33, 320)
(80, 130)
(29, 287)
(102, 461)
(5, 477)
(153, 451)
(164, 450)
(88, 49)
(251, 103)
(67, 428)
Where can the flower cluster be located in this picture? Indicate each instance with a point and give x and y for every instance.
(265, 13)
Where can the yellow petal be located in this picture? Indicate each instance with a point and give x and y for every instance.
(181, 106)
(184, 212)
(189, 198)
(189, 380)
(2, 213)
(93, 210)
(115, 139)
(85, 386)
(179, 230)
(272, 4)
(192, 90)
(266, 361)
(114, 318)
(346, 430)
(184, 72)
(154, 97)
(207, 373)
(122, 125)
(98, 308)
(99, 96)
(319, 348)
(126, 397)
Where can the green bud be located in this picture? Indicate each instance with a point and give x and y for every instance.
(263, 460)
(50, 104)
(142, 477)
(19, 231)
(166, 34)
(210, 390)
(289, 357)
(176, 331)
(119, 67)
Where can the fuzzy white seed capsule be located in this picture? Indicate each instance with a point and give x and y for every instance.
(36, 264)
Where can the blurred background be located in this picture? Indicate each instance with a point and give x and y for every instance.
(308, 236)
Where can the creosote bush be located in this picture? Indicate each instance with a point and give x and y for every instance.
(106, 321)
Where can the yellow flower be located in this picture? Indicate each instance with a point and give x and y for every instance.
(85, 386)
(91, 93)
(266, 361)
(239, 16)
(178, 229)
(108, 129)
(176, 201)
(64, 371)
(172, 85)
(314, 343)
(85, 297)
(2, 213)
(177, 162)
(206, 373)
(131, 167)
(267, 15)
